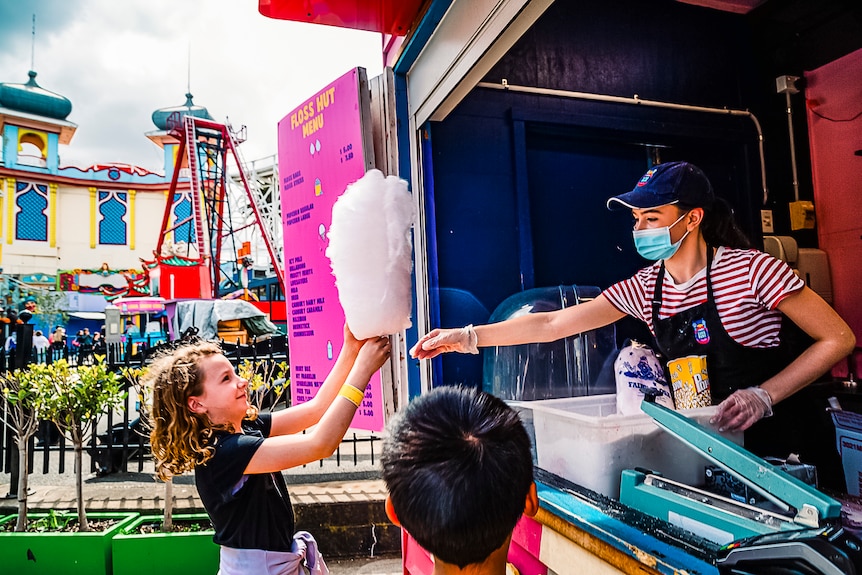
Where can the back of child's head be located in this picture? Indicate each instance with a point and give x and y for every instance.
(458, 467)
(179, 438)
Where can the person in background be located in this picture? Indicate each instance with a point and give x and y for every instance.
(85, 351)
(58, 338)
(706, 294)
(11, 342)
(459, 470)
(203, 421)
(40, 345)
(58, 342)
(99, 345)
(75, 352)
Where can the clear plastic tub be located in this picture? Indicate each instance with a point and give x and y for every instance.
(570, 367)
(584, 440)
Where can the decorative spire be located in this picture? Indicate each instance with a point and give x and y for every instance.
(189, 70)
(33, 46)
(160, 116)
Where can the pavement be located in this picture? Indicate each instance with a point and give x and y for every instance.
(365, 566)
(340, 503)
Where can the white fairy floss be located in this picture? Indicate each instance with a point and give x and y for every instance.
(370, 252)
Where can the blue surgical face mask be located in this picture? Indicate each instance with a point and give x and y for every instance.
(654, 244)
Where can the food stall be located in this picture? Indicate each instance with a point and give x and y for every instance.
(516, 120)
(142, 321)
(515, 139)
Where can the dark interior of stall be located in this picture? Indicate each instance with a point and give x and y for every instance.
(520, 180)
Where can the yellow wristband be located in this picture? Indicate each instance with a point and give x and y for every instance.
(351, 394)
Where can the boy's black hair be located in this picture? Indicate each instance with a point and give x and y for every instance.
(458, 467)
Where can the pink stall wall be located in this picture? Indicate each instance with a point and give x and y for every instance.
(834, 103)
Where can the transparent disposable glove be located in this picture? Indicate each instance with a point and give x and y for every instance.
(439, 341)
(743, 409)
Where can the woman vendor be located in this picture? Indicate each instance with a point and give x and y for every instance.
(707, 294)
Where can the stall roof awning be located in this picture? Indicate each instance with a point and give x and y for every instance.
(97, 315)
(136, 305)
(394, 17)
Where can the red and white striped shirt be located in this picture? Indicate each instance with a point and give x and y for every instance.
(747, 287)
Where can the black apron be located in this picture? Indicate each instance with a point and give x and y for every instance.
(730, 365)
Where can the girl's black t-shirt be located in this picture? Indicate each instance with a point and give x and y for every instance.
(247, 511)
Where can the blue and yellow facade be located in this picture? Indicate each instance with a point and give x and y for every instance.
(94, 224)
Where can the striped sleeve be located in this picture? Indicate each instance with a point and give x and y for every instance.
(633, 296)
(772, 280)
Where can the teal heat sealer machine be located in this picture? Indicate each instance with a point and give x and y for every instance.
(798, 526)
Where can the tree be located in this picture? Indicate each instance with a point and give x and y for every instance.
(23, 401)
(137, 376)
(50, 307)
(74, 399)
(267, 381)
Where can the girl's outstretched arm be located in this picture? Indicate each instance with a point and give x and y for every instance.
(295, 419)
(286, 451)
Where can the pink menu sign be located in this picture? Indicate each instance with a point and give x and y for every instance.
(320, 152)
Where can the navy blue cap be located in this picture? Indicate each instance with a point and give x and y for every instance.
(665, 184)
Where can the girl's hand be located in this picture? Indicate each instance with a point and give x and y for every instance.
(351, 344)
(374, 353)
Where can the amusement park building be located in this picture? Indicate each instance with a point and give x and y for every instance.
(86, 231)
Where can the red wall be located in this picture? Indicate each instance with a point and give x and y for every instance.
(189, 282)
(277, 310)
(834, 92)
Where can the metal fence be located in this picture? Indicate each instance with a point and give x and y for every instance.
(121, 442)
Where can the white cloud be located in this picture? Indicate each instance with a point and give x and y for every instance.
(120, 61)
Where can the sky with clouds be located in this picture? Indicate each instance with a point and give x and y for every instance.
(120, 60)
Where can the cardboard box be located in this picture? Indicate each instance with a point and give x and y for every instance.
(848, 436)
(584, 440)
(230, 325)
(234, 337)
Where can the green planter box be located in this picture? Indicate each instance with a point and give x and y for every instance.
(68, 553)
(187, 553)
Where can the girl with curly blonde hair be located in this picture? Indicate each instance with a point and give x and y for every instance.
(202, 420)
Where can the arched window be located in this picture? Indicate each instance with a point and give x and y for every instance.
(113, 207)
(32, 148)
(31, 221)
(182, 213)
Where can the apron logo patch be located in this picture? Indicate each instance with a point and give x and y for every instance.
(701, 334)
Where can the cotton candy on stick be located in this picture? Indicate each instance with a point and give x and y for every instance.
(371, 254)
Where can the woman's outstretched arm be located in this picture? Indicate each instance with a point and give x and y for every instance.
(529, 328)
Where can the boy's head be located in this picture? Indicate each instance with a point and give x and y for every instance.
(459, 471)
